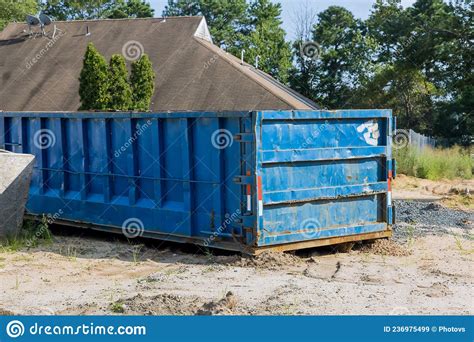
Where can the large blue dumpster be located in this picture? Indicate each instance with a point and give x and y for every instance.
(246, 181)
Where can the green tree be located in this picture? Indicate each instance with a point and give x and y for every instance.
(120, 93)
(16, 11)
(446, 59)
(77, 9)
(132, 9)
(142, 80)
(236, 25)
(344, 58)
(93, 81)
(388, 25)
(225, 18)
(97, 9)
(416, 60)
(405, 90)
(266, 40)
(429, 43)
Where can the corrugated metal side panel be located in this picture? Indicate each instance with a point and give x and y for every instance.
(165, 172)
(323, 174)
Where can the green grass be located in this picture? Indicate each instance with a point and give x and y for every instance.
(32, 234)
(117, 307)
(435, 164)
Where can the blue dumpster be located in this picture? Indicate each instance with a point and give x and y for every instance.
(245, 181)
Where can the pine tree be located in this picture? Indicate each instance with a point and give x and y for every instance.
(225, 18)
(237, 25)
(93, 81)
(267, 40)
(120, 93)
(142, 80)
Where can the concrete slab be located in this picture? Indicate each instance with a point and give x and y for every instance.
(15, 177)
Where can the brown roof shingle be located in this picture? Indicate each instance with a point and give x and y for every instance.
(41, 74)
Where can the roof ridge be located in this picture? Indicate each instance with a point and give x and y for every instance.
(115, 19)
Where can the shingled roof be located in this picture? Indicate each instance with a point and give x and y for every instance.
(40, 73)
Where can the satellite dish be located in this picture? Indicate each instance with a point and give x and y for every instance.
(32, 20)
(45, 20)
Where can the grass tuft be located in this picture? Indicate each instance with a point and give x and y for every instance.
(32, 234)
(435, 164)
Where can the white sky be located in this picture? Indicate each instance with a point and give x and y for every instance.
(360, 8)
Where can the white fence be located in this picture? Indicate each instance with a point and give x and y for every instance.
(420, 141)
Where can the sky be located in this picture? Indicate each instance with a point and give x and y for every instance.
(360, 8)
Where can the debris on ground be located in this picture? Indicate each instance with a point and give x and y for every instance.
(386, 247)
(268, 260)
(271, 260)
(123, 278)
(224, 306)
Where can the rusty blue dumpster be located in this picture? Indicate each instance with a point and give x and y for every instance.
(244, 181)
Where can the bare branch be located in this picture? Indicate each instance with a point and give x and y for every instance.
(304, 18)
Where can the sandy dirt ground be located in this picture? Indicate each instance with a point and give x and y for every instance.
(453, 193)
(99, 275)
(422, 270)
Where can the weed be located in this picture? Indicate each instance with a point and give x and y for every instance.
(209, 255)
(22, 257)
(435, 164)
(117, 307)
(460, 246)
(71, 253)
(32, 234)
(136, 249)
(410, 236)
(209, 269)
(460, 201)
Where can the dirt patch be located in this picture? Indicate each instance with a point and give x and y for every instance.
(436, 290)
(162, 304)
(451, 193)
(224, 306)
(176, 283)
(271, 261)
(171, 304)
(92, 275)
(4, 312)
(440, 187)
(386, 247)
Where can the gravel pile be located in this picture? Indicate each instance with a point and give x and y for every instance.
(415, 218)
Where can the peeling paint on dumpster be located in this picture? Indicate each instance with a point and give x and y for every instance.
(234, 180)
